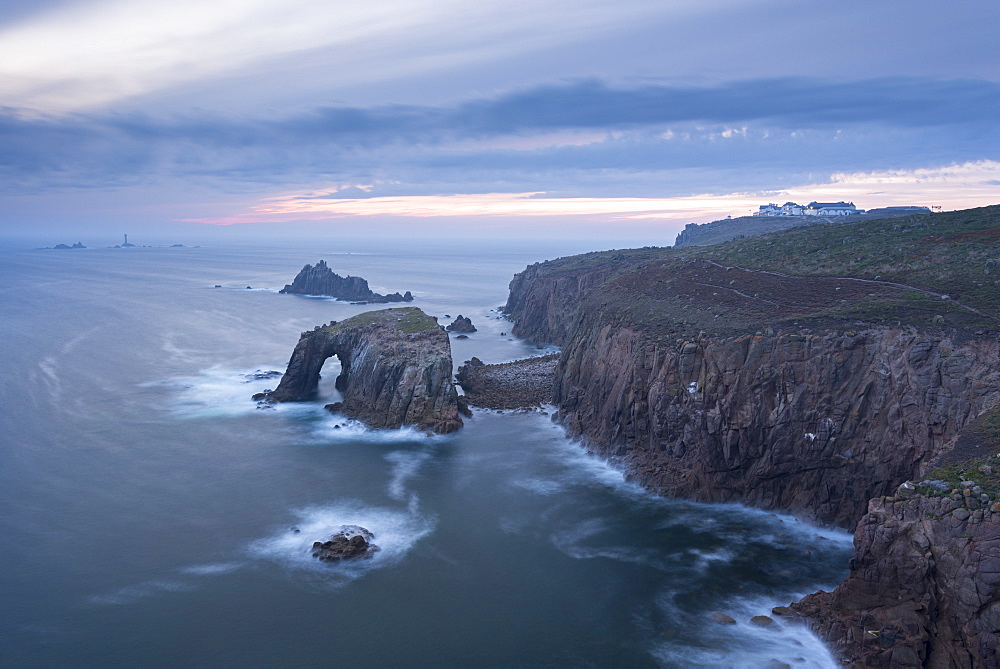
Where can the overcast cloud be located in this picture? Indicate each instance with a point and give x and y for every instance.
(245, 104)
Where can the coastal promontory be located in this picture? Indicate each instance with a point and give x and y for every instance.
(319, 279)
(396, 370)
(809, 370)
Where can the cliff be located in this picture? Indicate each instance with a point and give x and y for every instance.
(811, 423)
(809, 371)
(321, 280)
(396, 370)
(923, 589)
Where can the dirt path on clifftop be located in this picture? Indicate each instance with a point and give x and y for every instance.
(876, 282)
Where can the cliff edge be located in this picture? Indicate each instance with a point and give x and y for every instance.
(809, 370)
(396, 370)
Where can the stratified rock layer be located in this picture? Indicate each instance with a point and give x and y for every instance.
(396, 370)
(924, 589)
(321, 280)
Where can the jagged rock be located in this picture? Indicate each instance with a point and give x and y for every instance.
(321, 280)
(924, 589)
(395, 370)
(461, 324)
(350, 543)
(814, 423)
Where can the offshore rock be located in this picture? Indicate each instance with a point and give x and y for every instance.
(396, 370)
(461, 324)
(350, 543)
(923, 591)
(321, 280)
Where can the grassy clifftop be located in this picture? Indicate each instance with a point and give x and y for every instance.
(926, 270)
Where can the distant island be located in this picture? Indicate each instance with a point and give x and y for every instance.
(78, 245)
(319, 279)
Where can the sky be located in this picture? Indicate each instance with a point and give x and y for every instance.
(440, 118)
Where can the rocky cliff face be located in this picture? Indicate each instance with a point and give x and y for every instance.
(396, 370)
(924, 589)
(812, 423)
(810, 372)
(321, 280)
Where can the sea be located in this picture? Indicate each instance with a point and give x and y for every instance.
(152, 515)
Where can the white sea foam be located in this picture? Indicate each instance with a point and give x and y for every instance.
(396, 533)
(573, 541)
(212, 569)
(405, 465)
(742, 644)
(218, 391)
(133, 593)
(333, 428)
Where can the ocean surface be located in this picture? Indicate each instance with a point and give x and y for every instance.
(147, 504)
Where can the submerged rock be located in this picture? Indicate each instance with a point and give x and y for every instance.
(261, 374)
(350, 543)
(722, 618)
(396, 370)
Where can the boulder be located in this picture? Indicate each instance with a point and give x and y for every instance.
(350, 543)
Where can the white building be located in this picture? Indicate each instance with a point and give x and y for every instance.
(831, 209)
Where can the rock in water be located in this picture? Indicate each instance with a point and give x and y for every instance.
(321, 280)
(395, 370)
(350, 543)
(461, 324)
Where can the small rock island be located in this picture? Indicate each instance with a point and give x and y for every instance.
(319, 279)
(461, 324)
(396, 370)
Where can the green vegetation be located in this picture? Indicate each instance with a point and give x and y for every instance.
(407, 320)
(984, 471)
(923, 270)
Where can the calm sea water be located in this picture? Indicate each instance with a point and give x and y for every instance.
(146, 503)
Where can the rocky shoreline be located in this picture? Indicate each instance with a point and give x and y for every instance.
(521, 384)
(808, 371)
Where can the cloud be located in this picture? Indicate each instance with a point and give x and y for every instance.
(949, 187)
(525, 138)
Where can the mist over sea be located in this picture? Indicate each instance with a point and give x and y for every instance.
(146, 503)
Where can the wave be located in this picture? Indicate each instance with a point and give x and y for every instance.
(694, 639)
(396, 533)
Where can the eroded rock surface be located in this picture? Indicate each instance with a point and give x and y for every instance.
(396, 370)
(319, 279)
(520, 384)
(350, 543)
(924, 589)
(461, 324)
